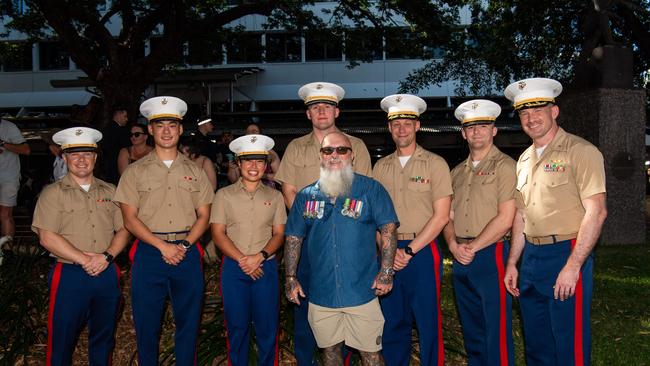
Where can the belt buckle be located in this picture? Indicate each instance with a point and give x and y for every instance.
(171, 237)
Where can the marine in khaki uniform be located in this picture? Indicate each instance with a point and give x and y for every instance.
(79, 224)
(165, 200)
(482, 210)
(560, 212)
(300, 167)
(247, 221)
(419, 184)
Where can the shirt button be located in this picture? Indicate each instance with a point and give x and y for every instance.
(91, 211)
(535, 183)
(170, 205)
(170, 221)
(169, 187)
(92, 225)
(467, 200)
(94, 241)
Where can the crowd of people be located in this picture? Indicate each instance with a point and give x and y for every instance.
(363, 265)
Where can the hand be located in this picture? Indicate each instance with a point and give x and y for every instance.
(249, 263)
(382, 284)
(292, 290)
(95, 265)
(257, 274)
(510, 279)
(462, 253)
(401, 260)
(172, 254)
(565, 285)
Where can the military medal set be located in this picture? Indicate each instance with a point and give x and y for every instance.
(352, 208)
(314, 209)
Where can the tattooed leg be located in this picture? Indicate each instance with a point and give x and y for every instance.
(333, 356)
(371, 358)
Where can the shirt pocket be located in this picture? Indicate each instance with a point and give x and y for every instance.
(554, 180)
(73, 217)
(147, 189)
(189, 189)
(419, 187)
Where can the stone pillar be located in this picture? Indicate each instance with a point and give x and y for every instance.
(614, 121)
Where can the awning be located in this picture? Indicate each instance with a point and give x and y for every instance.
(58, 98)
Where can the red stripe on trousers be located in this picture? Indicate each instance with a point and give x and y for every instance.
(225, 324)
(56, 279)
(134, 247)
(503, 345)
(578, 350)
(436, 270)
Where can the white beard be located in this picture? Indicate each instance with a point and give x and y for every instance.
(336, 183)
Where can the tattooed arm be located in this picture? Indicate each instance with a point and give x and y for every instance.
(384, 280)
(292, 287)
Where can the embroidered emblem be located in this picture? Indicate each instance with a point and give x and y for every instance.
(352, 208)
(474, 105)
(398, 99)
(557, 166)
(253, 139)
(419, 179)
(521, 85)
(319, 86)
(163, 101)
(78, 132)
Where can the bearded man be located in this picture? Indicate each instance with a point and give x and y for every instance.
(340, 215)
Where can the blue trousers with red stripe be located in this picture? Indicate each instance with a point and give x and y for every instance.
(555, 332)
(152, 280)
(77, 298)
(485, 307)
(415, 296)
(246, 300)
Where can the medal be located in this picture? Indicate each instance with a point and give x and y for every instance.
(352, 208)
(346, 208)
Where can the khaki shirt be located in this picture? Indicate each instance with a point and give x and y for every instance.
(249, 217)
(300, 165)
(88, 220)
(551, 188)
(166, 198)
(423, 180)
(479, 191)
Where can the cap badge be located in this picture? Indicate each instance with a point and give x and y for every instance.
(78, 132)
(521, 85)
(163, 101)
(319, 86)
(253, 139)
(398, 99)
(474, 105)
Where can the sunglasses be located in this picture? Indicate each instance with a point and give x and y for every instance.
(341, 150)
(137, 134)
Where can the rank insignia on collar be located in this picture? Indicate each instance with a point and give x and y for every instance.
(555, 166)
(352, 208)
(100, 200)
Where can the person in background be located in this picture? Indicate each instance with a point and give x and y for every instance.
(115, 137)
(137, 150)
(204, 127)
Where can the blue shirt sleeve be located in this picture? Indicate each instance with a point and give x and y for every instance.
(296, 224)
(383, 210)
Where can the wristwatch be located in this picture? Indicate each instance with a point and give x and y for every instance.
(408, 250)
(388, 271)
(185, 244)
(108, 256)
(264, 254)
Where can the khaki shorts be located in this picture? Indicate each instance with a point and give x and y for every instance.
(9, 194)
(359, 327)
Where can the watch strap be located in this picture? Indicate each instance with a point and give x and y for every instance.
(264, 254)
(108, 256)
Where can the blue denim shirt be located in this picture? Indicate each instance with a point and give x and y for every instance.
(342, 250)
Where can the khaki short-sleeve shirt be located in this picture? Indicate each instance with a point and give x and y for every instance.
(414, 188)
(551, 187)
(166, 198)
(479, 190)
(300, 164)
(88, 220)
(249, 216)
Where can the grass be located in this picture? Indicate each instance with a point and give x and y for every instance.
(620, 314)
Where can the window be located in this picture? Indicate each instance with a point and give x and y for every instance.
(53, 56)
(283, 47)
(13, 7)
(16, 56)
(364, 44)
(204, 52)
(322, 46)
(402, 44)
(244, 48)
